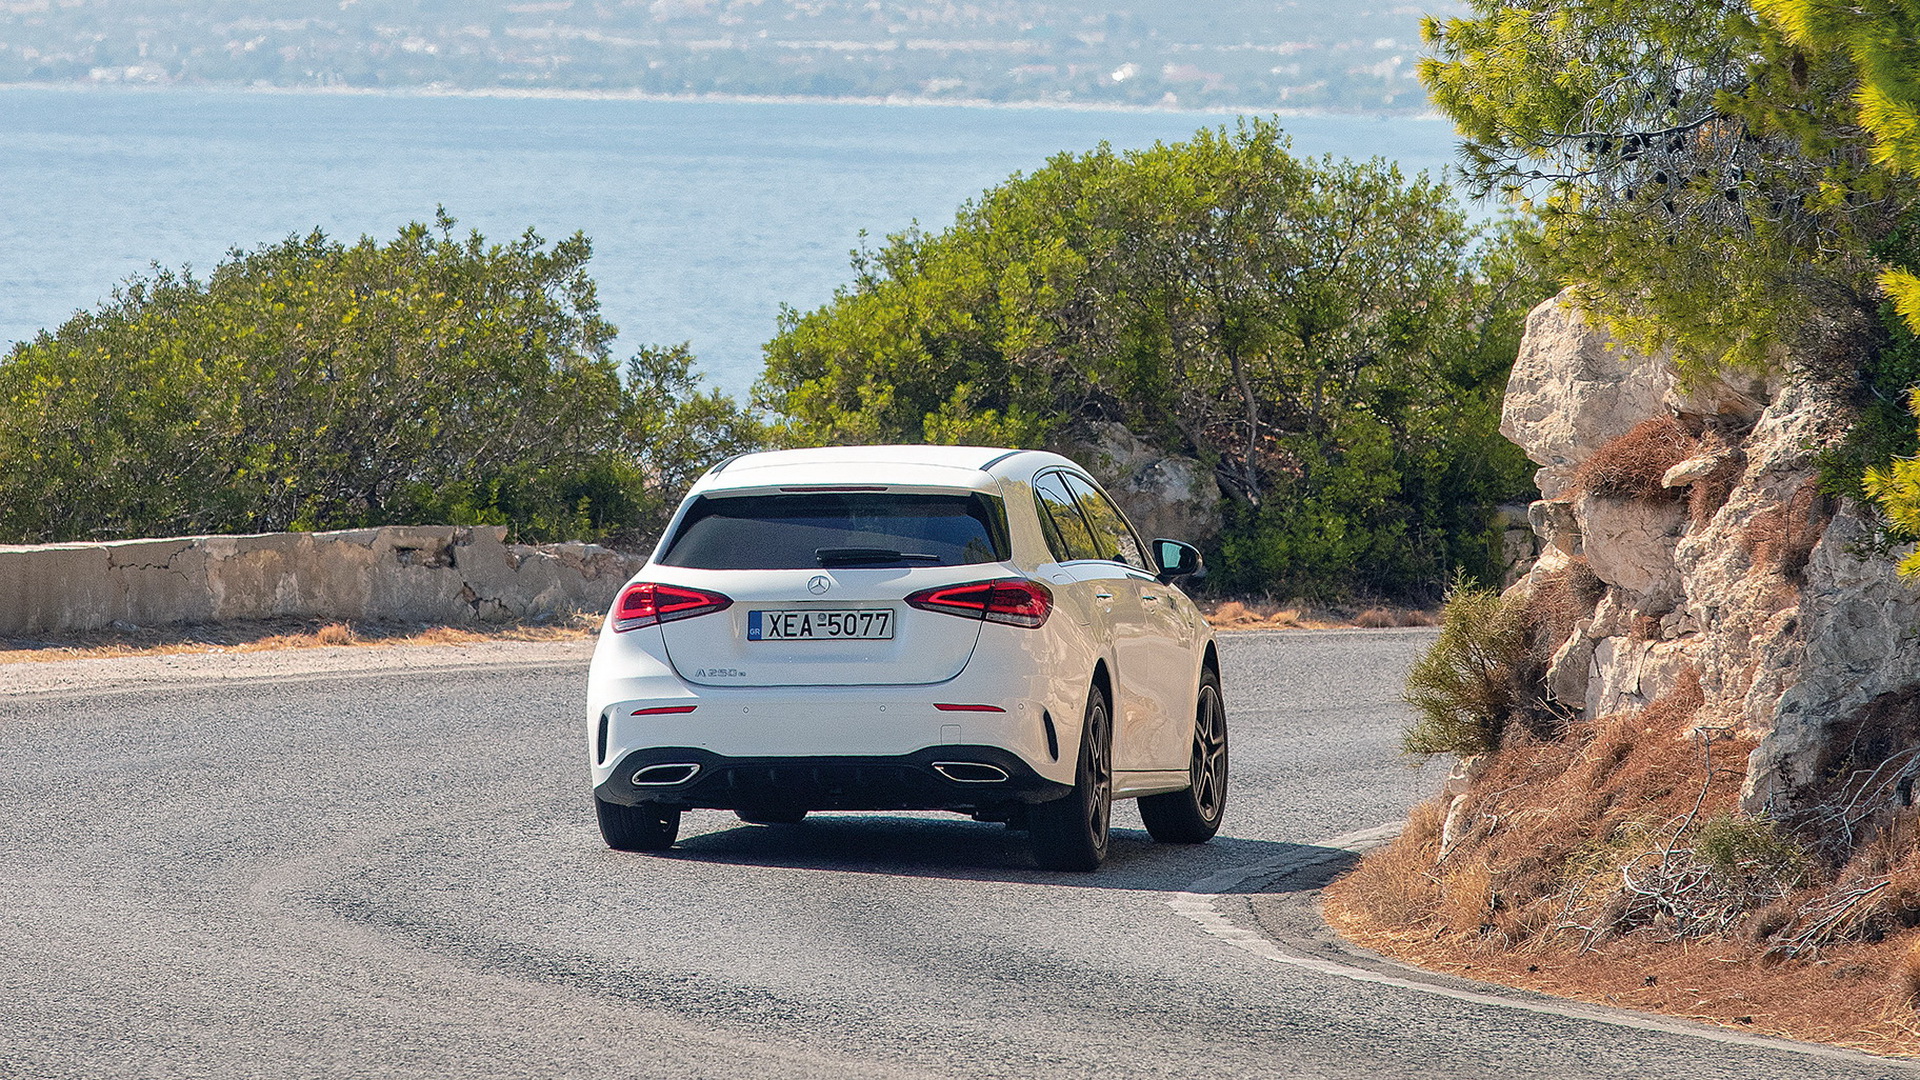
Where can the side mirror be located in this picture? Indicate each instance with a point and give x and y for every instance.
(1177, 560)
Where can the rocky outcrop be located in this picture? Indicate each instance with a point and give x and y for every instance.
(440, 574)
(1574, 389)
(1629, 544)
(1858, 667)
(1742, 576)
(1163, 494)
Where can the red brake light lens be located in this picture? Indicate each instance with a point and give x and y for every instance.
(1013, 601)
(644, 603)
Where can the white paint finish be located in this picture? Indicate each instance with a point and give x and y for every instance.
(926, 646)
(823, 698)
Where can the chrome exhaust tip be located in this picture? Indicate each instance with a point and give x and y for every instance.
(665, 775)
(970, 772)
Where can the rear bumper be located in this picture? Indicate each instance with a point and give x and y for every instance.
(1011, 697)
(964, 778)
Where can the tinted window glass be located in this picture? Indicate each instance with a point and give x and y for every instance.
(1056, 545)
(801, 531)
(1067, 532)
(1110, 529)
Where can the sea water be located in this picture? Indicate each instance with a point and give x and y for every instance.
(705, 217)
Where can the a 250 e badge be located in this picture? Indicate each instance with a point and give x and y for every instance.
(719, 673)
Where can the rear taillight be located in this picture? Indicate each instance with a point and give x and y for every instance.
(643, 604)
(1013, 601)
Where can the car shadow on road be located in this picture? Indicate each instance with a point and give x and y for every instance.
(904, 846)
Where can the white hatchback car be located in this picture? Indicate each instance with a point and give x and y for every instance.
(908, 628)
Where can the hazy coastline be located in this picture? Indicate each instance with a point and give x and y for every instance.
(564, 94)
(706, 214)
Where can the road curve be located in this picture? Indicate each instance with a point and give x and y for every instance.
(281, 865)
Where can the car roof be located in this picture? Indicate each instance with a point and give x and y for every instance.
(893, 466)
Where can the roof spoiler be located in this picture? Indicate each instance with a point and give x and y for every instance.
(718, 468)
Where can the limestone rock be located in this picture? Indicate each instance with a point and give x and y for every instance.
(1574, 389)
(1162, 494)
(1800, 634)
(1630, 545)
(1461, 777)
(1612, 616)
(1695, 469)
(1744, 605)
(1678, 624)
(1790, 434)
(1733, 393)
(1629, 674)
(1682, 594)
(1553, 522)
(1519, 540)
(1454, 827)
(1465, 773)
(1859, 643)
(1572, 664)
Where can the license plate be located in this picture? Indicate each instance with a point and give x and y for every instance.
(818, 625)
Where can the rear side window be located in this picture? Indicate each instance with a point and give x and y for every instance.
(1067, 532)
(1110, 529)
(840, 529)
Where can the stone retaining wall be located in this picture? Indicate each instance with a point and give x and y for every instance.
(433, 573)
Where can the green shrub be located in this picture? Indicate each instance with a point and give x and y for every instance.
(312, 384)
(1478, 677)
(1748, 854)
(1331, 337)
(1876, 462)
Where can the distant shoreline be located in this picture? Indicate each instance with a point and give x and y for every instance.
(559, 94)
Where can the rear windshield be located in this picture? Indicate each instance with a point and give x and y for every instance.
(838, 529)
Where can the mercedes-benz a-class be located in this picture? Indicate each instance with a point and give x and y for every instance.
(908, 628)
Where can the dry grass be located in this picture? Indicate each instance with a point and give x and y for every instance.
(1631, 466)
(1561, 598)
(271, 634)
(1849, 997)
(1709, 493)
(1783, 536)
(1531, 893)
(1399, 883)
(1541, 807)
(1906, 973)
(1376, 618)
(1256, 615)
(335, 634)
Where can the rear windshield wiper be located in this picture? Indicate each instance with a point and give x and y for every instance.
(860, 556)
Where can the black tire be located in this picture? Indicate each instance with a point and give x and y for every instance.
(763, 815)
(1193, 816)
(646, 827)
(1070, 833)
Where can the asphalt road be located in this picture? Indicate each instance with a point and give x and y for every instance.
(234, 867)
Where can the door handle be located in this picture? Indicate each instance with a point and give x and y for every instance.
(1103, 596)
(1149, 596)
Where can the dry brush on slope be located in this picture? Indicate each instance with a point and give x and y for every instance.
(1722, 825)
(1613, 864)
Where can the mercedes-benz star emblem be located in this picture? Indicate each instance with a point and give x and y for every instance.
(820, 583)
